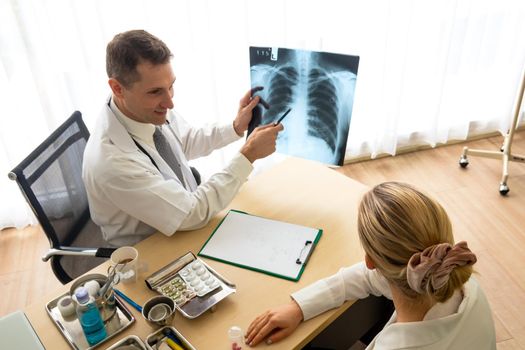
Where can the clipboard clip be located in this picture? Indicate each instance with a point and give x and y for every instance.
(298, 261)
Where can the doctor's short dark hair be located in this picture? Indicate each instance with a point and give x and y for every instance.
(130, 48)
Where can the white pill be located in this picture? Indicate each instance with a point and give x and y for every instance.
(195, 283)
(214, 284)
(190, 277)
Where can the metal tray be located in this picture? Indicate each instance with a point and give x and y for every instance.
(129, 342)
(197, 305)
(153, 339)
(72, 331)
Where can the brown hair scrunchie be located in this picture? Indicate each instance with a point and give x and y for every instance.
(434, 265)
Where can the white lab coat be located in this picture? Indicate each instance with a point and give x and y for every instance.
(462, 322)
(129, 198)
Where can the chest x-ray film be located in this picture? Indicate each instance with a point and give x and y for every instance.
(318, 87)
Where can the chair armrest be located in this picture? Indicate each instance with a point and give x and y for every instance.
(104, 252)
(77, 251)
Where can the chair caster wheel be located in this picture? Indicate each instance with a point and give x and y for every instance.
(463, 161)
(503, 189)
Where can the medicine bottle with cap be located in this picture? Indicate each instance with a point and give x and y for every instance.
(235, 335)
(89, 317)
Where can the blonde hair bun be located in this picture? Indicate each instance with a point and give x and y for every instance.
(408, 236)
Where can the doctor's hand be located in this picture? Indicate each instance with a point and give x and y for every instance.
(278, 323)
(261, 142)
(246, 106)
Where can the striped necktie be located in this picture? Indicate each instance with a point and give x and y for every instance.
(166, 152)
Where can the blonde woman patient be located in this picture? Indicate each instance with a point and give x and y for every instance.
(410, 258)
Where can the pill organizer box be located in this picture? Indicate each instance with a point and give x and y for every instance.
(193, 285)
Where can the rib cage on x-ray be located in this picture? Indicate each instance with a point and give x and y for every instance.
(320, 93)
(323, 111)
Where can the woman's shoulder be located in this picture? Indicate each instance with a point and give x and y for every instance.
(471, 327)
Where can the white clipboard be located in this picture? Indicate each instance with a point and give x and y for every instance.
(269, 246)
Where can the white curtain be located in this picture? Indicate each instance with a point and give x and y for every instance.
(430, 70)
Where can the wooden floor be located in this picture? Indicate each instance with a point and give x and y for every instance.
(489, 222)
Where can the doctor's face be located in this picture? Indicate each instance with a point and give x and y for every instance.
(148, 99)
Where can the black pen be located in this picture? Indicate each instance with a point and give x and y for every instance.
(282, 117)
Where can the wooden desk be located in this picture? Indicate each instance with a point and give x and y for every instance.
(295, 191)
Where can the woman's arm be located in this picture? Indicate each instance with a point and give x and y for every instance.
(354, 282)
(280, 321)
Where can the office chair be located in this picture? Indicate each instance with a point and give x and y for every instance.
(50, 179)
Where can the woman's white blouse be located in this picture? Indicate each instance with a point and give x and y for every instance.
(463, 322)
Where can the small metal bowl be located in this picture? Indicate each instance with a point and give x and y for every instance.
(159, 311)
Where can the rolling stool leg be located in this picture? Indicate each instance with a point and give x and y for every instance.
(505, 153)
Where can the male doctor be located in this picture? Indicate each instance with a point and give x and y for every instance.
(136, 170)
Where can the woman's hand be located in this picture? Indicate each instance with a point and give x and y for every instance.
(278, 322)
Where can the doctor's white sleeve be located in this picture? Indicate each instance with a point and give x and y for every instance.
(140, 191)
(215, 194)
(349, 283)
(200, 142)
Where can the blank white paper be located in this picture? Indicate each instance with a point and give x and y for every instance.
(263, 244)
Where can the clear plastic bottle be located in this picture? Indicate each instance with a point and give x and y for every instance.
(236, 339)
(89, 317)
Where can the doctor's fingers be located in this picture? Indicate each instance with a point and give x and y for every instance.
(268, 137)
(248, 96)
(270, 128)
(255, 89)
(251, 105)
(264, 134)
(245, 99)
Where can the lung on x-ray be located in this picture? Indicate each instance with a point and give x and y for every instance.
(318, 87)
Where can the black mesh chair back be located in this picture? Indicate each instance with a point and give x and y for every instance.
(51, 180)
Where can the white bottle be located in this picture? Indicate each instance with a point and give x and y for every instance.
(236, 339)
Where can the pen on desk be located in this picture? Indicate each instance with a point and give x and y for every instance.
(128, 300)
(282, 117)
(172, 344)
(168, 334)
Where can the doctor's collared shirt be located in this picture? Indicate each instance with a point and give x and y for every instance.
(130, 198)
(462, 322)
(143, 133)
